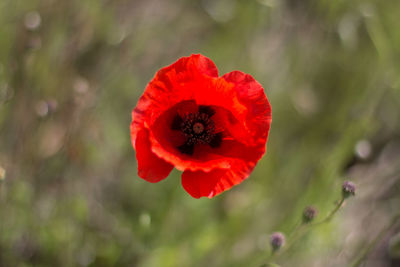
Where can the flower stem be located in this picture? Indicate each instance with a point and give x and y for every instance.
(302, 228)
(331, 214)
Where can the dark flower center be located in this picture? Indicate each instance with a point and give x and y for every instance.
(198, 128)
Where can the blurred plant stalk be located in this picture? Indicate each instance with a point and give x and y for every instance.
(306, 225)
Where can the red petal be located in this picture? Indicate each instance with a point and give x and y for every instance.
(247, 144)
(170, 86)
(251, 94)
(195, 79)
(209, 184)
(150, 167)
(245, 119)
(165, 142)
(196, 63)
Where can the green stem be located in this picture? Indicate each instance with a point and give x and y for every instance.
(330, 215)
(302, 228)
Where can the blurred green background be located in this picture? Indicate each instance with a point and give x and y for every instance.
(71, 71)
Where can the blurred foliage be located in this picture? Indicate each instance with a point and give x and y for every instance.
(71, 72)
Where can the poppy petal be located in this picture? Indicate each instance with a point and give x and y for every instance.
(168, 143)
(251, 94)
(164, 90)
(192, 79)
(188, 93)
(150, 167)
(209, 184)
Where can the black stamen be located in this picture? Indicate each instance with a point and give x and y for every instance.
(197, 128)
(177, 123)
(206, 110)
(186, 148)
(216, 141)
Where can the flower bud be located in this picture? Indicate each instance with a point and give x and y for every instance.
(309, 214)
(277, 240)
(348, 189)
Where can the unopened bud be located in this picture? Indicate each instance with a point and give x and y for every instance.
(348, 189)
(309, 214)
(277, 240)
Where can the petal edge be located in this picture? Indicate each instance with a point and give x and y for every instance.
(209, 184)
(150, 167)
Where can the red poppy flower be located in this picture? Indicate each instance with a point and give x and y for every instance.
(212, 128)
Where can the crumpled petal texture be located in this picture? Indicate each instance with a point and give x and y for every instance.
(241, 115)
